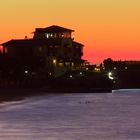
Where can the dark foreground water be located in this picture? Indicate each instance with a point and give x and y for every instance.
(104, 116)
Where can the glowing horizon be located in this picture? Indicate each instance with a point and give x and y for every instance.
(106, 28)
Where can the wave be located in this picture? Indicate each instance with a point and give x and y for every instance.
(126, 91)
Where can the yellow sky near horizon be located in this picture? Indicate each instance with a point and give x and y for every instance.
(107, 28)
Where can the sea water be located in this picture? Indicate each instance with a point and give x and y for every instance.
(86, 116)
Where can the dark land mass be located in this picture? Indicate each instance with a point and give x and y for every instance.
(70, 82)
(76, 81)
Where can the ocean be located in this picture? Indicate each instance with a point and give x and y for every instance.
(85, 116)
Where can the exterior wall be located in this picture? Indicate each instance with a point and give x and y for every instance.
(8, 50)
(40, 50)
(66, 48)
(78, 52)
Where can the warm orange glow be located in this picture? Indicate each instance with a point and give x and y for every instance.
(108, 28)
(1, 49)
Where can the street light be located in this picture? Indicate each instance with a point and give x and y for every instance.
(110, 76)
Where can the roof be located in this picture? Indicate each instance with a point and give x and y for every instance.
(78, 44)
(52, 29)
(36, 42)
(31, 42)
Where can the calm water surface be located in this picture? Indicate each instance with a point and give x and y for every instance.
(104, 116)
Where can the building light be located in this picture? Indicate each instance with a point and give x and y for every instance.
(61, 64)
(51, 35)
(126, 68)
(115, 68)
(81, 73)
(67, 64)
(72, 64)
(110, 76)
(97, 69)
(54, 62)
(26, 72)
(47, 35)
(86, 68)
(71, 76)
(62, 35)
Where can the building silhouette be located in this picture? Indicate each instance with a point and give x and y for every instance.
(52, 49)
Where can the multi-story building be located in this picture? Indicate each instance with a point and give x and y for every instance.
(53, 46)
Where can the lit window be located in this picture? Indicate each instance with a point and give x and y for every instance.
(61, 64)
(81, 73)
(67, 64)
(51, 35)
(97, 69)
(72, 64)
(54, 62)
(26, 72)
(62, 35)
(47, 35)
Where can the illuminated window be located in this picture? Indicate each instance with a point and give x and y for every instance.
(54, 62)
(62, 35)
(67, 64)
(81, 73)
(1, 49)
(47, 35)
(26, 71)
(61, 64)
(72, 64)
(51, 35)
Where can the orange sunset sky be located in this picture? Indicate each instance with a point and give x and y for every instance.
(107, 28)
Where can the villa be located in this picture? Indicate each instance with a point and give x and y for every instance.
(52, 49)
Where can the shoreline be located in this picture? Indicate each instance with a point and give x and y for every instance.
(15, 93)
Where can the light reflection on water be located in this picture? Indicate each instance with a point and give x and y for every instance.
(104, 116)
